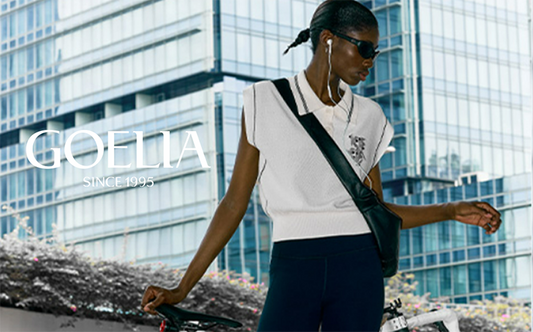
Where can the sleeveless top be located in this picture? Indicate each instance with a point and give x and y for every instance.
(298, 189)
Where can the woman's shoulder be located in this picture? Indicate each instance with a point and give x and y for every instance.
(263, 84)
(258, 93)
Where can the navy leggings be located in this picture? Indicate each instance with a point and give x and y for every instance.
(324, 284)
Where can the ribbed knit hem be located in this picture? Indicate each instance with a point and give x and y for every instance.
(307, 225)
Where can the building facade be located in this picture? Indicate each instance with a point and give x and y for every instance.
(459, 100)
(100, 66)
(457, 95)
(459, 261)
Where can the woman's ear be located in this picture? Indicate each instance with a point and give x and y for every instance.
(326, 35)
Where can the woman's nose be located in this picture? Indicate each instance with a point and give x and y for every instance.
(368, 63)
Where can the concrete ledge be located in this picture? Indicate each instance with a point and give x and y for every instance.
(19, 320)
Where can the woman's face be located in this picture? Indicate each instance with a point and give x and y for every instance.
(346, 61)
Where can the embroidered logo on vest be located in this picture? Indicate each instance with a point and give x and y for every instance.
(357, 147)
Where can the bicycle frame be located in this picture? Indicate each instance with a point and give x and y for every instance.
(445, 319)
(447, 316)
(176, 319)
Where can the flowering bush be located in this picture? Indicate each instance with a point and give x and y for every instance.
(47, 276)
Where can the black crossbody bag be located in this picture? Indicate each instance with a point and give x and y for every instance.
(384, 223)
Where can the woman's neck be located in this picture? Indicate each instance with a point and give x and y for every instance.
(317, 78)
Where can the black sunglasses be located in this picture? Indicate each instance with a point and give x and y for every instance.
(366, 49)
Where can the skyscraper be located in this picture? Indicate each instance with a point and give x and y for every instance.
(452, 78)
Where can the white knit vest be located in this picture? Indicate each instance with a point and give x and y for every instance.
(298, 189)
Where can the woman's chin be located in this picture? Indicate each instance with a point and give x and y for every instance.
(353, 81)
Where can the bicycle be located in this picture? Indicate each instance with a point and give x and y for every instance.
(445, 319)
(176, 319)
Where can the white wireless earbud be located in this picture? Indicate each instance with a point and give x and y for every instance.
(329, 42)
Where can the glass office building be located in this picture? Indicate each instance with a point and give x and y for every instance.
(128, 66)
(452, 259)
(180, 66)
(458, 95)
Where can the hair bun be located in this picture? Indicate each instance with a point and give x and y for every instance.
(304, 35)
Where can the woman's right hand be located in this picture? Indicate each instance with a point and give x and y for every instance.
(154, 296)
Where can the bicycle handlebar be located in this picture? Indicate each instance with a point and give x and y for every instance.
(177, 319)
(447, 316)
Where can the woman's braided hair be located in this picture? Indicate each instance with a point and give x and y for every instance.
(337, 15)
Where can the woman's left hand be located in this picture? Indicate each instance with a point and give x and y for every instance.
(477, 213)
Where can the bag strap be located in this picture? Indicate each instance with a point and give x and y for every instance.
(364, 197)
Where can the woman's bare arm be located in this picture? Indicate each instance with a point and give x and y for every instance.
(475, 213)
(228, 214)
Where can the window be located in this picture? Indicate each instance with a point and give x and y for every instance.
(444, 258)
(404, 248)
(458, 255)
(445, 281)
(13, 65)
(417, 241)
(444, 235)
(30, 58)
(39, 14)
(474, 277)
(383, 23)
(430, 237)
(49, 219)
(271, 11)
(382, 66)
(436, 21)
(432, 282)
(4, 27)
(21, 95)
(400, 155)
(3, 67)
(459, 279)
(29, 18)
(397, 63)
(39, 55)
(21, 22)
(57, 96)
(29, 100)
(48, 53)
(474, 253)
(48, 12)
(489, 274)
(13, 24)
(48, 93)
(39, 96)
(472, 235)
(21, 185)
(431, 260)
(398, 107)
(507, 268)
(177, 239)
(12, 105)
(3, 108)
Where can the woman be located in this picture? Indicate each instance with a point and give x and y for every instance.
(325, 272)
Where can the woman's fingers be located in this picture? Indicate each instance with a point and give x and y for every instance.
(148, 294)
(487, 207)
(492, 214)
(154, 304)
(148, 302)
